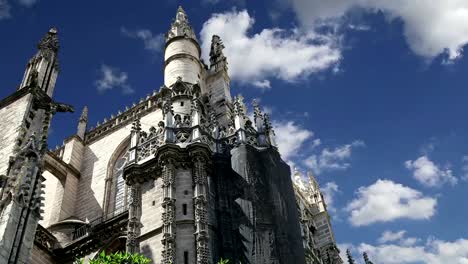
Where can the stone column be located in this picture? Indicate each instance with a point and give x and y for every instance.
(201, 209)
(134, 216)
(168, 177)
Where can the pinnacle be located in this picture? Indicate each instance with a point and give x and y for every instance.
(84, 114)
(53, 30)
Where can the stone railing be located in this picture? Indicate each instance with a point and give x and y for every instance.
(85, 230)
(150, 142)
(45, 239)
(123, 118)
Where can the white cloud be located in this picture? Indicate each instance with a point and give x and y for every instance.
(329, 191)
(256, 57)
(265, 84)
(428, 173)
(113, 78)
(433, 252)
(4, 9)
(431, 27)
(153, 43)
(290, 137)
(386, 201)
(389, 236)
(332, 159)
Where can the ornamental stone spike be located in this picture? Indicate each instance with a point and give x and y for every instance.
(82, 123)
(44, 64)
(180, 27)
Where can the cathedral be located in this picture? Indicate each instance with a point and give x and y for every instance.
(184, 176)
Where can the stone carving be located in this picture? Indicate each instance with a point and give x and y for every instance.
(134, 215)
(216, 51)
(49, 44)
(149, 143)
(180, 27)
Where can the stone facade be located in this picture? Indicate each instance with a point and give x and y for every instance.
(318, 238)
(182, 176)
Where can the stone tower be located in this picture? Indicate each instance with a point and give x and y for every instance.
(24, 121)
(225, 190)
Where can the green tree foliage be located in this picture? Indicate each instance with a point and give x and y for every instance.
(350, 257)
(118, 258)
(223, 261)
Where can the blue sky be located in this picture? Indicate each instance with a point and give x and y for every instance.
(369, 95)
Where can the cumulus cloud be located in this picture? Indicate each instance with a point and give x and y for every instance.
(431, 27)
(386, 201)
(256, 57)
(111, 78)
(332, 159)
(152, 42)
(4, 9)
(434, 251)
(265, 84)
(329, 190)
(389, 236)
(428, 173)
(290, 137)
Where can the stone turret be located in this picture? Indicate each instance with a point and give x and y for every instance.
(42, 69)
(182, 53)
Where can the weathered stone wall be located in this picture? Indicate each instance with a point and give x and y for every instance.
(52, 199)
(11, 118)
(151, 247)
(186, 67)
(40, 256)
(268, 207)
(181, 46)
(151, 206)
(185, 239)
(73, 152)
(94, 169)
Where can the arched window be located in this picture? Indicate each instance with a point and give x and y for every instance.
(116, 189)
(120, 188)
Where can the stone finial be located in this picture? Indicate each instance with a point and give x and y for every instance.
(82, 123)
(180, 27)
(50, 41)
(84, 115)
(313, 184)
(239, 106)
(136, 126)
(216, 52)
(257, 111)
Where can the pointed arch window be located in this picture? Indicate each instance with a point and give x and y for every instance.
(116, 188)
(120, 187)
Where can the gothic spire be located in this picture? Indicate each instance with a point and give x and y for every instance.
(180, 27)
(42, 69)
(82, 123)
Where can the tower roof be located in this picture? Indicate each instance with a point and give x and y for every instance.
(180, 27)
